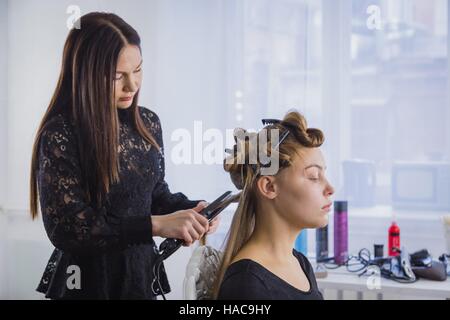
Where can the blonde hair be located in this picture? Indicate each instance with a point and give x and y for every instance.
(244, 177)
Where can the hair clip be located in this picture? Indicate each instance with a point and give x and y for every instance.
(270, 121)
(277, 121)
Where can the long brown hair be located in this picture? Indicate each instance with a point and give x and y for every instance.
(85, 92)
(244, 177)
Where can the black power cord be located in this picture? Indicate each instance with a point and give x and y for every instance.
(352, 263)
(156, 279)
(361, 262)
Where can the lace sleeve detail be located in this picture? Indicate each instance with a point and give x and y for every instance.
(70, 222)
(163, 201)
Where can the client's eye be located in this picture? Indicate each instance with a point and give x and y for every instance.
(313, 174)
(119, 76)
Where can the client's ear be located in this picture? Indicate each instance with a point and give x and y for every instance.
(267, 187)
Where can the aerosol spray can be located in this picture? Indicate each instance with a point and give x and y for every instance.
(321, 244)
(394, 239)
(340, 232)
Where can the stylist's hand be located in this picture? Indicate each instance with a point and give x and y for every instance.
(187, 225)
(214, 224)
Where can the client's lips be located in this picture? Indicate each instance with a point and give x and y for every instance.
(126, 98)
(327, 207)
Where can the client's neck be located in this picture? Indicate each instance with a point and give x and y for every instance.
(273, 234)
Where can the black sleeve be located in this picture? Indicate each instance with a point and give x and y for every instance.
(244, 285)
(163, 201)
(71, 223)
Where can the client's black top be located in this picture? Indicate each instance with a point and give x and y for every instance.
(111, 245)
(248, 280)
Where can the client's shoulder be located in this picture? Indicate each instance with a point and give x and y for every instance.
(244, 279)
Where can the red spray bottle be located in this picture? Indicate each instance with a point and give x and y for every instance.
(394, 239)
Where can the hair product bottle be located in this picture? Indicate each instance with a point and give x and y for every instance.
(301, 243)
(394, 239)
(321, 244)
(340, 232)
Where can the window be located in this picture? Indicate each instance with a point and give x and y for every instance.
(279, 65)
(399, 96)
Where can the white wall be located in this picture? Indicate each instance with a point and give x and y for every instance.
(188, 80)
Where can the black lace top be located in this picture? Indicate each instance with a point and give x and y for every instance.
(111, 248)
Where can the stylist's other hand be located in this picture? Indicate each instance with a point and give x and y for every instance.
(200, 206)
(187, 225)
